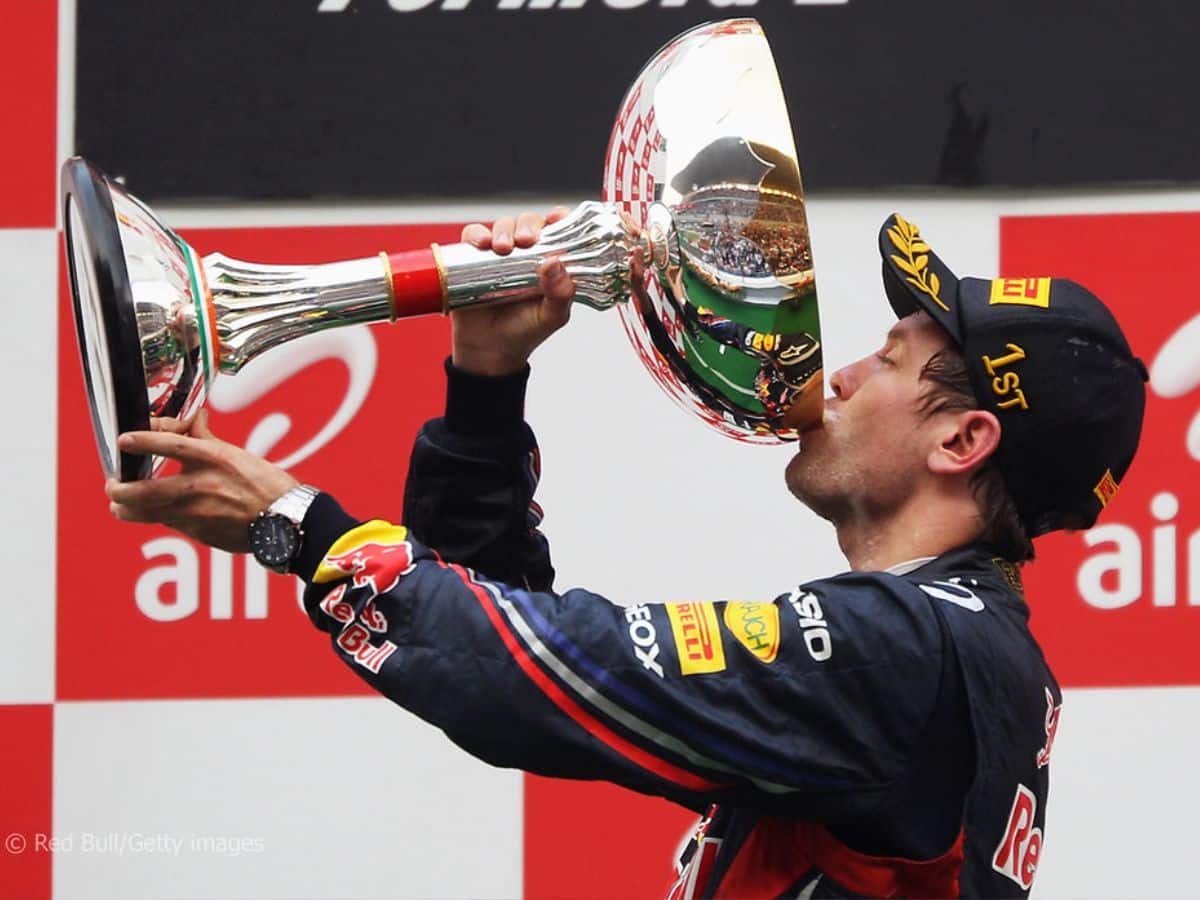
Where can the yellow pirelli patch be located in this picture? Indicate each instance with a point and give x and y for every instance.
(697, 637)
(1106, 488)
(755, 626)
(1021, 292)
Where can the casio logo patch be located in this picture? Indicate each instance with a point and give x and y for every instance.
(812, 620)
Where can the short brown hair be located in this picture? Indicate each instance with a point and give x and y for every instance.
(949, 390)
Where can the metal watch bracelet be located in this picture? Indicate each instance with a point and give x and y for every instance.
(295, 503)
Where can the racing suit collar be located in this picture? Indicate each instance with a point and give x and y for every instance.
(909, 565)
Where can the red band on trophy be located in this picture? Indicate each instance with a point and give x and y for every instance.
(417, 283)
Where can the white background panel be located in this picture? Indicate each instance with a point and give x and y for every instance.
(322, 798)
(28, 442)
(1121, 821)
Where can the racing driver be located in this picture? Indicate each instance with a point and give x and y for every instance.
(882, 732)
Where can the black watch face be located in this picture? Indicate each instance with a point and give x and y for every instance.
(274, 540)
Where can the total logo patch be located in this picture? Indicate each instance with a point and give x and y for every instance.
(697, 637)
(755, 626)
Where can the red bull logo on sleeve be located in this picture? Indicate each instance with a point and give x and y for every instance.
(355, 636)
(1052, 713)
(376, 554)
(1017, 855)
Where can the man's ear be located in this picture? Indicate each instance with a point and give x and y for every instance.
(966, 441)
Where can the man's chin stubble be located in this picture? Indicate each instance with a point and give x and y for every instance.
(801, 484)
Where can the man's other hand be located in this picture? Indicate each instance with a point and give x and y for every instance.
(219, 490)
(497, 340)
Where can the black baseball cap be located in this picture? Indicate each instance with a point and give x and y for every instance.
(1047, 357)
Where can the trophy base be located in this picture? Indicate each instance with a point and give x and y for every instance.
(105, 319)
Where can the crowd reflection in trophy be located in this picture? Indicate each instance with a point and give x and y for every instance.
(765, 246)
(743, 269)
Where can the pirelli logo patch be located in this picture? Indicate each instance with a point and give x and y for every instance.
(755, 626)
(697, 637)
(1021, 292)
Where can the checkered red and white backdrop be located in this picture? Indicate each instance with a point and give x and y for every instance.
(170, 726)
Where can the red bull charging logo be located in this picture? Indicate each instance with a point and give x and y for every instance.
(376, 554)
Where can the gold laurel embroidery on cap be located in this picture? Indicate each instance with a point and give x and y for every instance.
(906, 238)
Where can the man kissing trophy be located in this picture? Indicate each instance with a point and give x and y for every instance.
(883, 732)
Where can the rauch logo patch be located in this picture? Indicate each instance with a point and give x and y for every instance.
(756, 627)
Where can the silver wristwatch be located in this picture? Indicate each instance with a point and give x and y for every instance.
(295, 503)
(276, 535)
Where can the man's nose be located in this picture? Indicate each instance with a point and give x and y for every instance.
(844, 382)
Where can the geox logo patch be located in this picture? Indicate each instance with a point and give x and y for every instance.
(1021, 292)
(756, 627)
(697, 637)
(1106, 488)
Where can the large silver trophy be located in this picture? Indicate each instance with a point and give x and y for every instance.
(701, 243)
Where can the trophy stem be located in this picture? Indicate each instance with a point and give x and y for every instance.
(258, 306)
(594, 241)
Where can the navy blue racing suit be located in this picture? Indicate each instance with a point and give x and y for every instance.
(870, 734)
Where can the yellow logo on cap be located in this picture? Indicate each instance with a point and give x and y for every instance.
(906, 238)
(1006, 385)
(1021, 292)
(1106, 488)
(697, 637)
(756, 626)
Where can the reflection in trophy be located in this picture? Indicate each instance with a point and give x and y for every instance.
(701, 244)
(743, 249)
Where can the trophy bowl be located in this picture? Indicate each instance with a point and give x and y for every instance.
(701, 242)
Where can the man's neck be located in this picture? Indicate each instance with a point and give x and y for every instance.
(912, 532)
